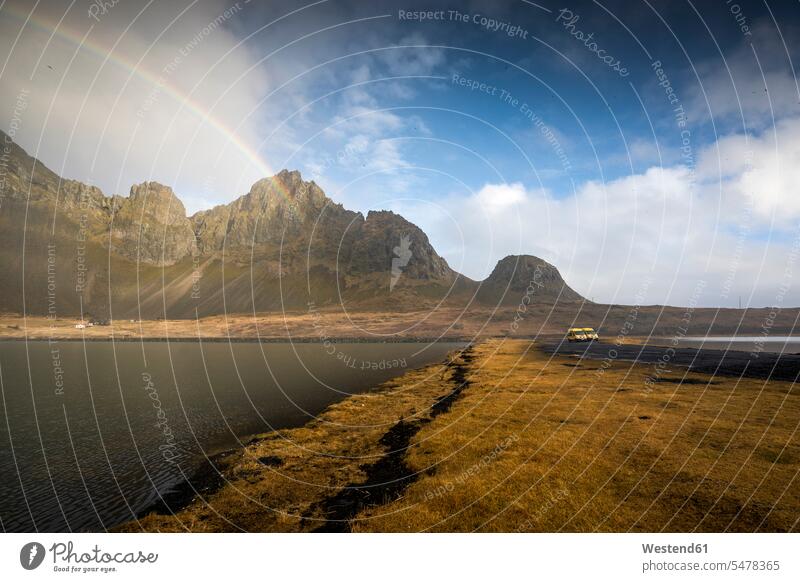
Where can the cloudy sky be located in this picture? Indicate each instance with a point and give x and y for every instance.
(649, 150)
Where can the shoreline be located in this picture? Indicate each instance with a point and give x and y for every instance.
(206, 479)
(263, 340)
(210, 474)
(433, 445)
(534, 321)
(218, 469)
(659, 359)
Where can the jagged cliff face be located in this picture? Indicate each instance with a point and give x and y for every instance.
(282, 218)
(283, 245)
(278, 208)
(385, 238)
(150, 226)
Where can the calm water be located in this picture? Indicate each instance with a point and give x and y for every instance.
(776, 344)
(90, 434)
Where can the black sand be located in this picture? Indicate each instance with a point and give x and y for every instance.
(765, 365)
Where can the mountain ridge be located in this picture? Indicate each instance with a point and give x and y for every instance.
(282, 245)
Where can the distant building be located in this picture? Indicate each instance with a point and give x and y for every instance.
(80, 326)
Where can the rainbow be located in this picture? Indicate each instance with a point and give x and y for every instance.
(159, 82)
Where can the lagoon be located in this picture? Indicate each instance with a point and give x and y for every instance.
(92, 433)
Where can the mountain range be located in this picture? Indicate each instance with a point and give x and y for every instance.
(68, 249)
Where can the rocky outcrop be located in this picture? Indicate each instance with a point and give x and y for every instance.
(23, 177)
(150, 226)
(281, 210)
(386, 242)
(517, 275)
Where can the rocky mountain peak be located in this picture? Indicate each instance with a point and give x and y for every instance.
(150, 226)
(157, 201)
(285, 189)
(516, 275)
(277, 210)
(289, 177)
(386, 241)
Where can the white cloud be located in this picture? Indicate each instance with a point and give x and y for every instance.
(763, 169)
(664, 223)
(497, 198)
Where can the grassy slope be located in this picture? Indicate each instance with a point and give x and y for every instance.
(531, 444)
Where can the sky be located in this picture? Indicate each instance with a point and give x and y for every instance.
(647, 149)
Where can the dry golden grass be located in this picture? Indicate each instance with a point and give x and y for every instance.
(534, 444)
(544, 445)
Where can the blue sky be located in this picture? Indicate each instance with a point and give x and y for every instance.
(623, 141)
(607, 125)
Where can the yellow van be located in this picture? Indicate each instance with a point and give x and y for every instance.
(582, 334)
